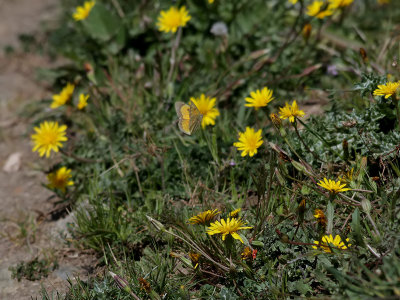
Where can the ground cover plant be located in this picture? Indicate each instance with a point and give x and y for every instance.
(227, 149)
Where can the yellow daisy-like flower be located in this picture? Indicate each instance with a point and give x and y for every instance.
(259, 98)
(172, 19)
(63, 97)
(60, 179)
(82, 101)
(335, 4)
(48, 137)
(315, 9)
(235, 213)
(328, 241)
(206, 107)
(293, 1)
(205, 217)
(82, 12)
(230, 226)
(332, 186)
(387, 90)
(290, 111)
(249, 142)
(210, 1)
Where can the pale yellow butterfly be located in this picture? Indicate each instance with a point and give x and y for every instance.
(189, 117)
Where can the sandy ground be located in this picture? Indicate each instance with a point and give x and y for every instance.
(25, 231)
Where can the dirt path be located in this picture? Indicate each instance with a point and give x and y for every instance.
(24, 234)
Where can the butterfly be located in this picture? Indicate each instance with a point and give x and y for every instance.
(189, 117)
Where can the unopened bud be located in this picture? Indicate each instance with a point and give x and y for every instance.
(306, 32)
(276, 120)
(366, 205)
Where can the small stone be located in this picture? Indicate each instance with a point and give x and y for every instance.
(13, 163)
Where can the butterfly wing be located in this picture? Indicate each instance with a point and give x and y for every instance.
(183, 112)
(195, 118)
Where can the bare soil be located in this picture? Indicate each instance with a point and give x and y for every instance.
(26, 230)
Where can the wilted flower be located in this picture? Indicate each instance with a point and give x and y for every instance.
(205, 217)
(48, 137)
(194, 257)
(320, 216)
(145, 285)
(82, 12)
(172, 19)
(328, 241)
(230, 226)
(332, 186)
(249, 142)
(347, 177)
(206, 107)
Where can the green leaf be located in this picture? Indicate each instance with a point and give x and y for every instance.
(330, 211)
(101, 24)
(257, 243)
(356, 227)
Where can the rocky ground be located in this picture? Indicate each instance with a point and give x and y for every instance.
(26, 229)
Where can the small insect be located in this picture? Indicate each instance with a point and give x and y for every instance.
(189, 117)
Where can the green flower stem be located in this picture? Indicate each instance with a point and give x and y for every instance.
(321, 138)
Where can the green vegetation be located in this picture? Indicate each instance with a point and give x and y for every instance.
(137, 179)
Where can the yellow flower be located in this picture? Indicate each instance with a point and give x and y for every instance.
(335, 4)
(48, 137)
(320, 216)
(235, 213)
(259, 98)
(172, 19)
(293, 1)
(249, 142)
(82, 12)
(205, 217)
(387, 90)
(230, 226)
(381, 2)
(205, 105)
(315, 9)
(332, 186)
(210, 1)
(82, 101)
(290, 111)
(64, 96)
(60, 179)
(328, 241)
